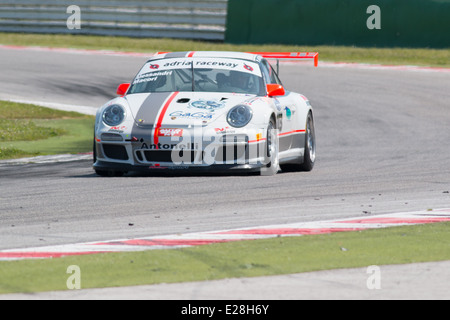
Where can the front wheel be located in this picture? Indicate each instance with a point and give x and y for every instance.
(272, 163)
(109, 173)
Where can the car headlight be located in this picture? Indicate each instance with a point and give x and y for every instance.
(113, 115)
(239, 116)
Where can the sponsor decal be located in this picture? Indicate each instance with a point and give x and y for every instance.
(118, 129)
(202, 63)
(224, 130)
(210, 105)
(172, 64)
(191, 115)
(166, 132)
(288, 113)
(247, 67)
(171, 146)
(217, 63)
(178, 63)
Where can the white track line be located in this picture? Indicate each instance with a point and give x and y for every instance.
(201, 238)
(48, 159)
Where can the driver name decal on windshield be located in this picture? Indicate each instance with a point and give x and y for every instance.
(151, 76)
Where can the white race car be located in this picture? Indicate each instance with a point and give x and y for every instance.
(213, 111)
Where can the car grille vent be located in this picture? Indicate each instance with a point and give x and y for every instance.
(114, 151)
(166, 156)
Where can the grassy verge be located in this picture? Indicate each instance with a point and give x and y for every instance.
(29, 130)
(392, 56)
(284, 255)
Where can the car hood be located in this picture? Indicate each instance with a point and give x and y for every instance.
(179, 109)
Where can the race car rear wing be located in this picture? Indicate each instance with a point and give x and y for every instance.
(289, 56)
(279, 56)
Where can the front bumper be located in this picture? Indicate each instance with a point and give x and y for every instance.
(222, 168)
(224, 153)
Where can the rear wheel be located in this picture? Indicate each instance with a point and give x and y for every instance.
(309, 157)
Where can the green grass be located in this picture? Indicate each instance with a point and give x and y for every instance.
(30, 130)
(394, 56)
(13, 153)
(20, 130)
(251, 258)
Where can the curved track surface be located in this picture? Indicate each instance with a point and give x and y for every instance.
(383, 146)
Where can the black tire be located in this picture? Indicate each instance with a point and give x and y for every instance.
(271, 157)
(310, 145)
(94, 152)
(109, 173)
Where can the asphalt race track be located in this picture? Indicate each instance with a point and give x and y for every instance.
(383, 146)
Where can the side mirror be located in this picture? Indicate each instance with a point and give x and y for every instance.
(122, 89)
(274, 90)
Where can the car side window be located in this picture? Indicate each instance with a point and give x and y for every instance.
(265, 71)
(274, 76)
(270, 76)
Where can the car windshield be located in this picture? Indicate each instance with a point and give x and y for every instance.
(199, 74)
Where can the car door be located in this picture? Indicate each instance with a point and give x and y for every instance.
(287, 110)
